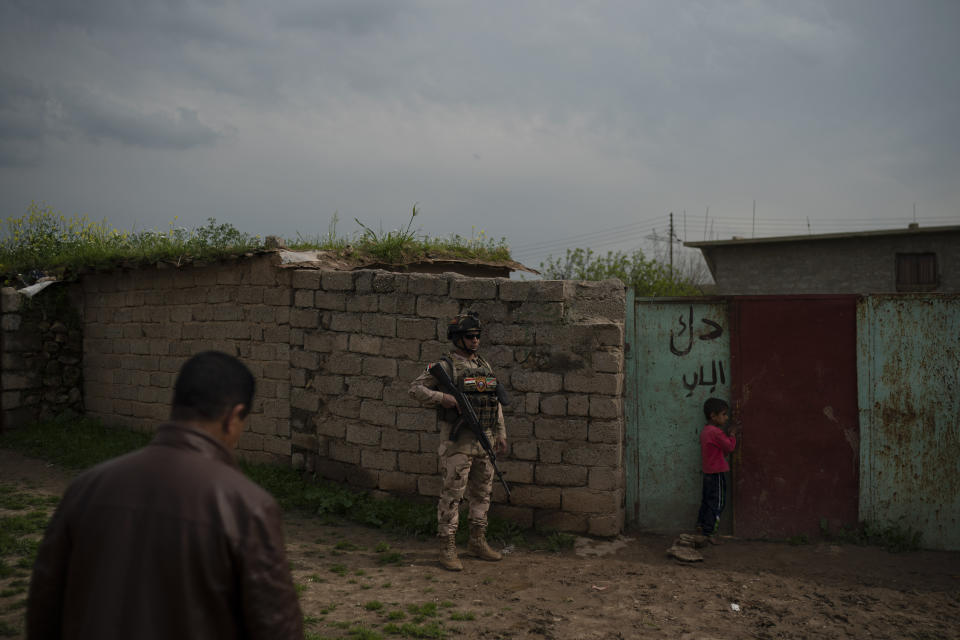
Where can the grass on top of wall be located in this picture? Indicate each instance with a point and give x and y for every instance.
(43, 242)
(402, 246)
(78, 443)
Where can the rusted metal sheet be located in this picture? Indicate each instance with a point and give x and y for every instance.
(679, 355)
(908, 361)
(795, 390)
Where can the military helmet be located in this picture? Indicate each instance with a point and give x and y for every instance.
(469, 321)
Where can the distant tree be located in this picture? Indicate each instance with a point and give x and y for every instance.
(648, 278)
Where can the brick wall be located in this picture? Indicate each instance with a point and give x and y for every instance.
(42, 351)
(359, 338)
(334, 353)
(141, 325)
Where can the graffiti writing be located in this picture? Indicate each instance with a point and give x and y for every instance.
(686, 329)
(700, 379)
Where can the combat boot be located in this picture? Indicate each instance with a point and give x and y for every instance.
(478, 545)
(448, 553)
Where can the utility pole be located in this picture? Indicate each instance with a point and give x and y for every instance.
(671, 242)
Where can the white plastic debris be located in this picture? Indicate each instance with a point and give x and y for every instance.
(734, 607)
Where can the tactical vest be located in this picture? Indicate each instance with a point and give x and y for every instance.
(479, 385)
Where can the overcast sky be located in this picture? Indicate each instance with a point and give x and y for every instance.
(553, 123)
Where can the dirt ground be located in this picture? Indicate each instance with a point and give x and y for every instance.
(357, 582)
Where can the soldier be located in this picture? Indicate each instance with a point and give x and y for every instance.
(465, 466)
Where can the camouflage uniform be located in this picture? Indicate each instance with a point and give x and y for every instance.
(465, 466)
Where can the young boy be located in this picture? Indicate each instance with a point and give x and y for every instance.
(716, 442)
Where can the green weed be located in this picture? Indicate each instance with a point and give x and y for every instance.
(895, 538)
(7, 630)
(456, 615)
(411, 630)
(338, 569)
(394, 557)
(373, 605)
(43, 241)
(73, 442)
(403, 245)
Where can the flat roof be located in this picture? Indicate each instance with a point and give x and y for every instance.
(824, 236)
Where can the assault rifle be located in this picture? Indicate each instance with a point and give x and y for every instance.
(468, 417)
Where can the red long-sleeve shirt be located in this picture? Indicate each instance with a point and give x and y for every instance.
(714, 446)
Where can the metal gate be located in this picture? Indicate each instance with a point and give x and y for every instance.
(679, 355)
(909, 350)
(795, 390)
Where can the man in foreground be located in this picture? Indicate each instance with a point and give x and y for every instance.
(171, 541)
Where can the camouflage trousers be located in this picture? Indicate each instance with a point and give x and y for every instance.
(463, 474)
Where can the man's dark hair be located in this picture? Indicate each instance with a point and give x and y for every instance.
(210, 384)
(714, 405)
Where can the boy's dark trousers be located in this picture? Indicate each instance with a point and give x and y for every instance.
(714, 499)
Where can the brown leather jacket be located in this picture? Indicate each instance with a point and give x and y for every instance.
(171, 541)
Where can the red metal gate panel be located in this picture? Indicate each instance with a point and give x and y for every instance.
(795, 387)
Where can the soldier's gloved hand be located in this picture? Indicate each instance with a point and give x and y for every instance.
(500, 445)
(449, 402)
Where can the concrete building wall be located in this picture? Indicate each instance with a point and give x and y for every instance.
(855, 264)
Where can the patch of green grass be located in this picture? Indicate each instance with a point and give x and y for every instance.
(396, 614)
(468, 615)
(73, 442)
(12, 591)
(339, 569)
(329, 608)
(559, 541)
(895, 538)
(79, 443)
(422, 611)
(404, 245)
(13, 499)
(343, 545)
(310, 621)
(44, 241)
(301, 588)
(363, 633)
(394, 557)
(373, 605)
(411, 630)
(7, 630)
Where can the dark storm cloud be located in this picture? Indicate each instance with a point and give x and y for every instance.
(29, 113)
(354, 18)
(103, 119)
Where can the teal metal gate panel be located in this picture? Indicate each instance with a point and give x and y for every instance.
(678, 356)
(909, 388)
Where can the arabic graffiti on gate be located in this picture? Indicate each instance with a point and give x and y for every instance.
(685, 339)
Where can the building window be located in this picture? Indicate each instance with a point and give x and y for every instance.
(917, 272)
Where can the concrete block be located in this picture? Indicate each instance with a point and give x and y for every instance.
(563, 475)
(560, 429)
(378, 413)
(473, 288)
(430, 307)
(337, 280)
(536, 381)
(377, 459)
(579, 500)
